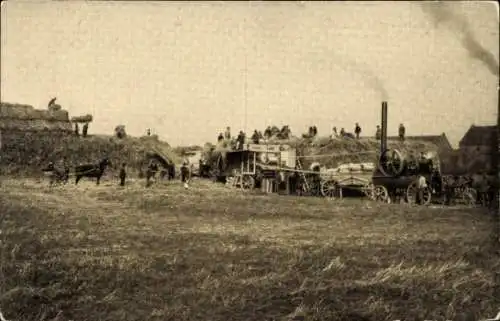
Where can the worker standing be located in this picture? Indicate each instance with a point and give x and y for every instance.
(357, 130)
(185, 174)
(421, 186)
(123, 174)
(378, 133)
(402, 132)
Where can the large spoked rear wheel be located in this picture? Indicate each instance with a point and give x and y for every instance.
(411, 195)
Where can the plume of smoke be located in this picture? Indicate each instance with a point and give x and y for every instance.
(440, 13)
(364, 71)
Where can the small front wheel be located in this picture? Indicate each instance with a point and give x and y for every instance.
(381, 194)
(247, 182)
(330, 189)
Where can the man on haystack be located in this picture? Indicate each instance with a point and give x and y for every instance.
(357, 130)
(378, 133)
(402, 132)
(51, 102)
(240, 140)
(268, 133)
(227, 134)
(255, 137)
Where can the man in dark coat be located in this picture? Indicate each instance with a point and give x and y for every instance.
(240, 140)
(227, 134)
(378, 133)
(185, 174)
(268, 133)
(255, 137)
(151, 172)
(52, 102)
(123, 174)
(85, 129)
(402, 132)
(357, 130)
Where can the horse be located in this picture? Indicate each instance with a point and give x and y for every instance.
(91, 170)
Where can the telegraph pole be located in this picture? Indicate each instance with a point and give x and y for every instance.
(245, 71)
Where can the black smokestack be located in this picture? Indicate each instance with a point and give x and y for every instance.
(383, 127)
(441, 13)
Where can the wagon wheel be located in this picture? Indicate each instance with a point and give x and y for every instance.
(247, 182)
(369, 190)
(411, 194)
(391, 162)
(330, 188)
(467, 196)
(380, 193)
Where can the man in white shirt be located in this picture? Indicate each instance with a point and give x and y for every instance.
(421, 186)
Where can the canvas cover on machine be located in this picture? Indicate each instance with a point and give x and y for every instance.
(353, 168)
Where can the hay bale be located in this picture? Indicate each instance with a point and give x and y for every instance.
(27, 112)
(17, 111)
(54, 107)
(82, 119)
(34, 125)
(59, 115)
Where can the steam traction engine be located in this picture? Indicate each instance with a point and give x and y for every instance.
(397, 172)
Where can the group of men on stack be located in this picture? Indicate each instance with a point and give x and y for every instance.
(344, 134)
(285, 133)
(401, 132)
(257, 136)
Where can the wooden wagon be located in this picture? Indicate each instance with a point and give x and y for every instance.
(351, 176)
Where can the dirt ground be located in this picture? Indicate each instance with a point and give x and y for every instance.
(104, 252)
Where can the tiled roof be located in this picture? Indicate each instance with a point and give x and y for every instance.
(478, 135)
(439, 140)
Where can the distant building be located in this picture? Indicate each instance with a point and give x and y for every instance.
(475, 153)
(479, 139)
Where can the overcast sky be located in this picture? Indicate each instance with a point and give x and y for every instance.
(179, 67)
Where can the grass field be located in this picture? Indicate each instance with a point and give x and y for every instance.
(109, 253)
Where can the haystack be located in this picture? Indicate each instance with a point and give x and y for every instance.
(21, 117)
(27, 112)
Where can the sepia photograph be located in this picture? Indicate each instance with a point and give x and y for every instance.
(249, 161)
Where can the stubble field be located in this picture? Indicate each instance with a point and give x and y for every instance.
(91, 252)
